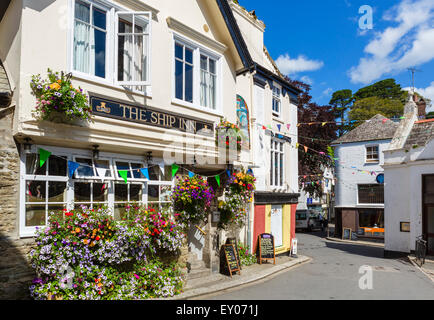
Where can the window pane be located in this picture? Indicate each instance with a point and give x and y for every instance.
(57, 166)
(188, 83)
(32, 165)
(99, 18)
(119, 211)
(179, 79)
(56, 208)
(212, 64)
(100, 56)
(271, 169)
(100, 192)
(125, 58)
(212, 92)
(204, 63)
(281, 170)
(179, 51)
(86, 169)
(121, 192)
(123, 166)
(82, 47)
(56, 191)
(35, 215)
(125, 23)
(139, 59)
(154, 172)
(137, 174)
(81, 192)
(104, 164)
(82, 11)
(167, 173)
(188, 55)
(371, 193)
(165, 192)
(153, 193)
(35, 191)
(136, 192)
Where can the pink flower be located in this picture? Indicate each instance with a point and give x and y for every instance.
(137, 277)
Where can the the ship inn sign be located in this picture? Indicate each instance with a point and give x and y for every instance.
(150, 116)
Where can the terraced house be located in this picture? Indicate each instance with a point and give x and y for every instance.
(159, 75)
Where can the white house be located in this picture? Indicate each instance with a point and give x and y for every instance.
(359, 197)
(409, 189)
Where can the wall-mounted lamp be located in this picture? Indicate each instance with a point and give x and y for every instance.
(95, 152)
(149, 157)
(27, 145)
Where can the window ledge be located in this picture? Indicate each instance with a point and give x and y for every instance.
(103, 82)
(196, 107)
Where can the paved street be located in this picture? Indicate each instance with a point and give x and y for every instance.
(333, 273)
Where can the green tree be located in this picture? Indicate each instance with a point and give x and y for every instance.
(385, 89)
(341, 101)
(366, 108)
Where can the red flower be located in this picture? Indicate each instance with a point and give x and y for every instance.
(97, 238)
(69, 214)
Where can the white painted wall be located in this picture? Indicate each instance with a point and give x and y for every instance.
(354, 155)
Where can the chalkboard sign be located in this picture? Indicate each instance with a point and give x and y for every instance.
(237, 253)
(346, 233)
(354, 236)
(231, 259)
(266, 247)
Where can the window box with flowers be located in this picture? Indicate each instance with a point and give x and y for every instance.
(85, 254)
(58, 101)
(238, 194)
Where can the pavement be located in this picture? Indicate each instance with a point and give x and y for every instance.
(219, 283)
(339, 270)
(427, 268)
(357, 242)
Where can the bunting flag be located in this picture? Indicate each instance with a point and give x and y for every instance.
(217, 178)
(101, 173)
(161, 165)
(323, 124)
(229, 173)
(264, 127)
(72, 166)
(191, 174)
(270, 127)
(124, 175)
(288, 126)
(297, 145)
(305, 149)
(278, 126)
(145, 172)
(43, 156)
(175, 169)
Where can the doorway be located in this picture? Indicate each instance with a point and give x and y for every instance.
(428, 212)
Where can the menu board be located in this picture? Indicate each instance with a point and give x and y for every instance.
(266, 247)
(231, 259)
(237, 253)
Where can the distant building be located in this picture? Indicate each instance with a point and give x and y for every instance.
(359, 193)
(409, 188)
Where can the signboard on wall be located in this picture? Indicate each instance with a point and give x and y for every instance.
(151, 116)
(243, 121)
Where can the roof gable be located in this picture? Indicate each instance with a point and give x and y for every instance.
(376, 128)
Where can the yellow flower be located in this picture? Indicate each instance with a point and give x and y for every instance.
(77, 230)
(85, 241)
(55, 86)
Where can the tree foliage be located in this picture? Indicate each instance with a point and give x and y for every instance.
(316, 137)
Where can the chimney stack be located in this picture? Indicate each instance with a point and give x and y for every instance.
(421, 107)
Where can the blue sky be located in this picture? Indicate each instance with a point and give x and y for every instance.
(321, 42)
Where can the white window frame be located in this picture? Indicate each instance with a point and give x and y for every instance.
(71, 155)
(371, 161)
(277, 98)
(367, 205)
(198, 49)
(110, 79)
(279, 180)
(149, 34)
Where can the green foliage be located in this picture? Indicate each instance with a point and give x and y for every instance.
(430, 115)
(246, 258)
(341, 101)
(366, 108)
(384, 89)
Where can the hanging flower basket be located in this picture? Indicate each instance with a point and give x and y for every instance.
(192, 200)
(58, 101)
(238, 194)
(228, 134)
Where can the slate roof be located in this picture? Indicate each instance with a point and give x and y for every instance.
(421, 133)
(377, 128)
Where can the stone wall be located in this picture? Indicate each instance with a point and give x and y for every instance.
(15, 270)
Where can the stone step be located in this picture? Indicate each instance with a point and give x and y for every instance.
(198, 273)
(196, 264)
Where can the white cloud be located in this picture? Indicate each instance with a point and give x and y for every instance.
(409, 43)
(307, 80)
(288, 66)
(327, 92)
